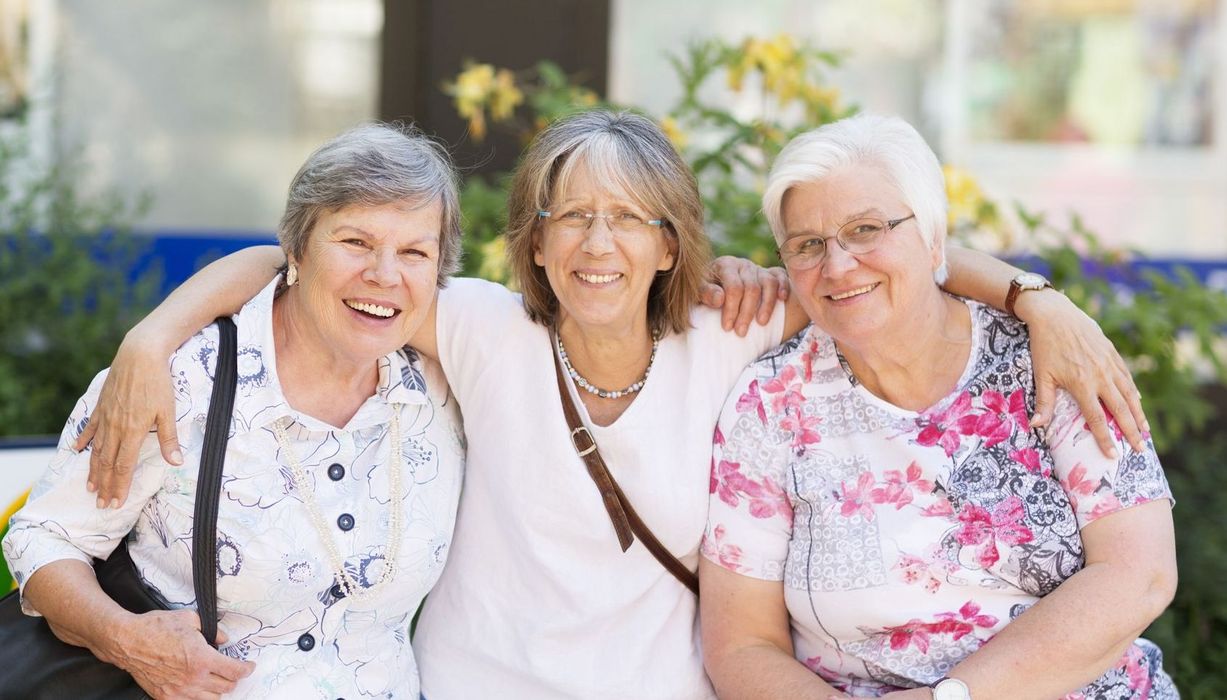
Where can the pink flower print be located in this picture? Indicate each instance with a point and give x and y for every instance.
(942, 427)
(912, 632)
(914, 569)
(1000, 416)
(857, 500)
(727, 555)
(729, 483)
(1109, 505)
(983, 530)
(773, 501)
(1029, 457)
(899, 488)
(1077, 485)
(784, 390)
(717, 437)
(752, 399)
(804, 429)
(940, 508)
(1135, 669)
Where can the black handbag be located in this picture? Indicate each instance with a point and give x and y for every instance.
(38, 666)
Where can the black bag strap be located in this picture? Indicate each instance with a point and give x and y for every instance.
(621, 513)
(209, 479)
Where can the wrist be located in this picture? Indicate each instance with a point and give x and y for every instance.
(107, 638)
(146, 340)
(1034, 305)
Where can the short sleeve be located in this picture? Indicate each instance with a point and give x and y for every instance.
(749, 522)
(1098, 485)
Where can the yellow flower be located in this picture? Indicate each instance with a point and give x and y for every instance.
(504, 96)
(674, 132)
(819, 100)
(471, 91)
(964, 194)
(494, 260)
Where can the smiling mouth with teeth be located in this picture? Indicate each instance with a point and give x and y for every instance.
(598, 279)
(853, 292)
(372, 309)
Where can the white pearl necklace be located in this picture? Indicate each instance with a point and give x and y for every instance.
(348, 584)
(606, 393)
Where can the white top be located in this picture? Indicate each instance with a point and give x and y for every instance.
(276, 595)
(538, 600)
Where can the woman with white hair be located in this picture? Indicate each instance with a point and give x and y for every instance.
(881, 506)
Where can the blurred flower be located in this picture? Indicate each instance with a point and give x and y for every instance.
(972, 217)
(674, 132)
(964, 194)
(494, 259)
(478, 88)
(505, 96)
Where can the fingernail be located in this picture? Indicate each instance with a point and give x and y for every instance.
(91, 486)
(101, 503)
(115, 503)
(1146, 426)
(176, 457)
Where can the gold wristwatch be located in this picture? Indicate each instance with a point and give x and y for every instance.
(1025, 282)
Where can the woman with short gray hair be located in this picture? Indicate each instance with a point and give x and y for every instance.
(342, 470)
(886, 520)
(539, 600)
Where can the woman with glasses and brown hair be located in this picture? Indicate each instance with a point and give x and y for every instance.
(606, 242)
(886, 519)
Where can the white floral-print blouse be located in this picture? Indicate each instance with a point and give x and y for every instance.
(906, 540)
(277, 598)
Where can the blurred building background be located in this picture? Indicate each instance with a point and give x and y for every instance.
(1113, 108)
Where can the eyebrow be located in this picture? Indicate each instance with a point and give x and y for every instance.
(853, 217)
(428, 237)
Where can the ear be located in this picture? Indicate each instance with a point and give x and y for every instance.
(670, 257)
(538, 256)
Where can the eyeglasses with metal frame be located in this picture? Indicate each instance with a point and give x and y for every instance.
(623, 221)
(858, 237)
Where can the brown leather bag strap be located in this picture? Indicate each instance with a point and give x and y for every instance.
(626, 522)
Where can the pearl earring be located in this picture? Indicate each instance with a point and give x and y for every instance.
(291, 275)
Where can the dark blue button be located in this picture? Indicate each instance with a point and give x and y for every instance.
(337, 591)
(345, 522)
(306, 642)
(336, 472)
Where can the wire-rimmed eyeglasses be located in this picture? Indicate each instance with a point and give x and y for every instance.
(580, 220)
(858, 237)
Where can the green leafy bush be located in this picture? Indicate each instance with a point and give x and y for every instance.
(1169, 330)
(66, 294)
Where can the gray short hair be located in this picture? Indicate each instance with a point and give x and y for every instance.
(374, 164)
(623, 151)
(887, 142)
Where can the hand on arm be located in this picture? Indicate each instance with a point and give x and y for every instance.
(137, 392)
(747, 645)
(744, 292)
(1068, 349)
(163, 650)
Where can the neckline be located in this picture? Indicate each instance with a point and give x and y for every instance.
(977, 323)
(639, 396)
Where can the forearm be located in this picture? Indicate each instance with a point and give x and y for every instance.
(219, 289)
(67, 594)
(763, 670)
(1067, 639)
(978, 276)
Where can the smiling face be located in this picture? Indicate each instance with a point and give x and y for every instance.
(366, 279)
(856, 297)
(601, 277)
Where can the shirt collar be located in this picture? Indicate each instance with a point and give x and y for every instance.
(260, 400)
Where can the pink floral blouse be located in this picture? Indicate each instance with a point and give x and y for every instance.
(906, 540)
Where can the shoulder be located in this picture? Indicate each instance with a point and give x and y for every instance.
(1001, 332)
(461, 291)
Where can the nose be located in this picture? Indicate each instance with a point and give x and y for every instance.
(837, 261)
(599, 238)
(381, 270)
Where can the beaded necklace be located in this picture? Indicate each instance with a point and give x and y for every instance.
(606, 393)
(344, 579)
